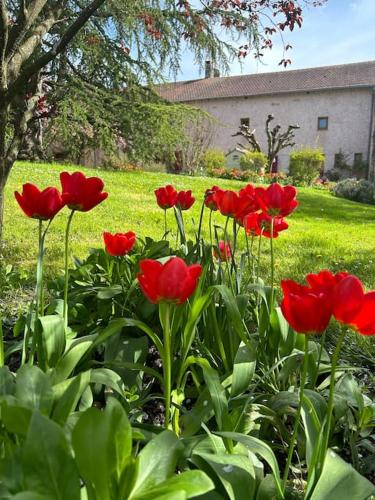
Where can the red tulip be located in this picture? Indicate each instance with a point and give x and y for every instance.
(260, 224)
(276, 200)
(166, 197)
(119, 244)
(306, 310)
(210, 199)
(227, 202)
(354, 307)
(325, 280)
(185, 200)
(224, 251)
(80, 192)
(173, 281)
(37, 204)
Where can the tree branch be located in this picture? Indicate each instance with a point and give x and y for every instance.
(59, 47)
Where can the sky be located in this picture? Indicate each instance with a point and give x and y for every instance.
(342, 31)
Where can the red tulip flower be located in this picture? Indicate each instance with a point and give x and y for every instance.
(210, 198)
(185, 200)
(119, 244)
(224, 251)
(325, 280)
(42, 205)
(166, 197)
(306, 310)
(260, 224)
(173, 281)
(80, 192)
(354, 307)
(227, 202)
(276, 200)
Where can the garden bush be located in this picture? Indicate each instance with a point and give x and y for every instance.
(305, 165)
(356, 190)
(213, 158)
(254, 161)
(170, 370)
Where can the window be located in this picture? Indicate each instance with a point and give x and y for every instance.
(245, 121)
(358, 158)
(323, 123)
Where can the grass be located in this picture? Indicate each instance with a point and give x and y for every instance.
(324, 232)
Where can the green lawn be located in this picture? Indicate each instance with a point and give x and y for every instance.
(325, 232)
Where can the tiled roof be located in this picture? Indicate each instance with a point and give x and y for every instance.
(328, 77)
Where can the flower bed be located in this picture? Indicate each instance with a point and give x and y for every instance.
(183, 335)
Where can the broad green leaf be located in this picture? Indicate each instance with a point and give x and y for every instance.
(340, 480)
(70, 360)
(260, 448)
(48, 466)
(53, 338)
(314, 409)
(16, 419)
(7, 382)
(102, 443)
(243, 370)
(157, 461)
(200, 303)
(30, 495)
(267, 489)
(192, 483)
(125, 352)
(67, 403)
(233, 473)
(33, 389)
(107, 378)
(109, 292)
(234, 316)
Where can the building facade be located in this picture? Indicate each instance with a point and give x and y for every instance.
(333, 106)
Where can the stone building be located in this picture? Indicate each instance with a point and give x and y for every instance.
(333, 105)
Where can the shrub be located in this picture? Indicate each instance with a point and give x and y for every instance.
(355, 190)
(213, 158)
(305, 165)
(253, 160)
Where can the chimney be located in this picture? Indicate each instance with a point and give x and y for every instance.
(208, 70)
(216, 73)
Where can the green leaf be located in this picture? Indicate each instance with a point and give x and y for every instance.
(33, 389)
(340, 480)
(109, 292)
(7, 382)
(233, 473)
(30, 495)
(102, 443)
(192, 483)
(108, 378)
(67, 403)
(53, 338)
(48, 466)
(157, 461)
(16, 419)
(69, 361)
(243, 370)
(199, 305)
(314, 409)
(260, 448)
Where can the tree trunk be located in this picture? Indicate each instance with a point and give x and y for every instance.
(5, 166)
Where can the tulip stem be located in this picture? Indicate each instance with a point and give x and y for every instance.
(298, 414)
(210, 225)
(200, 228)
(272, 265)
(321, 347)
(2, 357)
(327, 430)
(66, 285)
(165, 225)
(167, 368)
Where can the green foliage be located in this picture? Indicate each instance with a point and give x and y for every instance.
(355, 190)
(213, 158)
(254, 161)
(305, 165)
